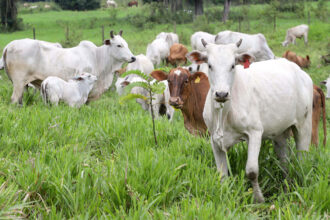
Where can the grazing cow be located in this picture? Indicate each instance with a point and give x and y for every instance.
(300, 61)
(142, 63)
(111, 3)
(47, 6)
(163, 35)
(265, 101)
(252, 44)
(29, 61)
(177, 54)
(26, 5)
(33, 7)
(188, 93)
(296, 32)
(132, 3)
(327, 84)
(159, 49)
(195, 40)
(74, 92)
(318, 106)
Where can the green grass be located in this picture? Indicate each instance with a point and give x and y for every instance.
(100, 161)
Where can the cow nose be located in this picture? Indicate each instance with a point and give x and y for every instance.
(221, 96)
(174, 101)
(133, 59)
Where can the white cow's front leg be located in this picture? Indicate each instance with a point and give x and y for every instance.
(252, 167)
(220, 158)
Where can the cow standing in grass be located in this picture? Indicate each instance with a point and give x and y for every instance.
(29, 61)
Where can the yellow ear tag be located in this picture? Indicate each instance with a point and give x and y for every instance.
(197, 80)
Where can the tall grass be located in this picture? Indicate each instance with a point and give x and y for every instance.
(99, 161)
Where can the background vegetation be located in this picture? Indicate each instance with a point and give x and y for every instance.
(100, 161)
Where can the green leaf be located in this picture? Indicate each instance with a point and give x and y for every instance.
(137, 72)
(130, 86)
(166, 69)
(131, 96)
(157, 88)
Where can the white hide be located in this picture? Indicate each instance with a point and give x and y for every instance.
(29, 60)
(74, 92)
(296, 32)
(194, 67)
(253, 44)
(158, 50)
(264, 101)
(327, 84)
(195, 40)
(174, 36)
(141, 63)
(111, 3)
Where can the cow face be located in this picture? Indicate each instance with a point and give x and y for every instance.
(119, 48)
(327, 84)
(180, 82)
(222, 60)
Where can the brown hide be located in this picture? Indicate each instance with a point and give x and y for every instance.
(318, 106)
(177, 54)
(132, 3)
(300, 61)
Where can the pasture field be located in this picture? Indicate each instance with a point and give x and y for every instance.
(100, 161)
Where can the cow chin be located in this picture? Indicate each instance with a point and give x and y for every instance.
(221, 100)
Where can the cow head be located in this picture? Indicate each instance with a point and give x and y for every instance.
(119, 48)
(327, 84)
(180, 82)
(222, 60)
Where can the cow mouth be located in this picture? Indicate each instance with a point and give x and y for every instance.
(221, 100)
(176, 105)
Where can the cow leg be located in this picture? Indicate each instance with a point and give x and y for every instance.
(220, 158)
(17, 96)
(306, 38)
(252, 167)
(302, 134)
(281, 150)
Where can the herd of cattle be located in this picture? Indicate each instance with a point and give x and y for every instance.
(234, 90)
(112, 3)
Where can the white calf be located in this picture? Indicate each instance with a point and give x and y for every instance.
(74, 92)
(296, 32)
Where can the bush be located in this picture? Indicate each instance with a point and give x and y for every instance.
(79, 4)
(201, 23)
(321, 11)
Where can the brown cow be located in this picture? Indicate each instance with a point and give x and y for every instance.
(188, 93)
(318, 105)
(300, 61)
(132, 3)
(177, 54)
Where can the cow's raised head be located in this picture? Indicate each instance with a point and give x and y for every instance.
(118, 48)
(180, 82)
(222, 60)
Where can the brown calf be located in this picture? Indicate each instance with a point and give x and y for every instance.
(132, 3)
(188, 93)
(300, 61)
(318, 105)
(177, 54)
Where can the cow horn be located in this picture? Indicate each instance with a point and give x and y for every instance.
(121, 32)
(239, 42)
(204, 42)
(111, 34)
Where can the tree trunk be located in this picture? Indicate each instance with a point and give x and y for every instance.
(166, 3)
(179, 5)
(226, 8)
(198, 7)
(8, 13)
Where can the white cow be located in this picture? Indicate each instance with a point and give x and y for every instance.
(327, 84)
(196, 64)
(29, 61)
(142, 63)
(296, 32)
(159, 49)
(195, 40)
(252, 44)
(111, 3)
(74, 92)
(264, 101)
(174, 36)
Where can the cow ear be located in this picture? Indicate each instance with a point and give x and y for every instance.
(216, 38)
(159, 75)
(197, 77)
(125, 83)
(307, 57)
(121, 32)
(324, 82)
(107, 42)
(244, 57)
(79, 78)
(196, 57)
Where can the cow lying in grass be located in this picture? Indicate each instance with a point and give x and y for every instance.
(74, 92)
(300, 61)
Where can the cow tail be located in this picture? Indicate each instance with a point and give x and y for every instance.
(323, 116)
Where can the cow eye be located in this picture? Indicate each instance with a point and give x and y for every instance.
(210, 67)
(186, 81)
(119, 46)
(233, 66)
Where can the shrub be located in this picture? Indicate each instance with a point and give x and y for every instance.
(321, 11)
(201, 23)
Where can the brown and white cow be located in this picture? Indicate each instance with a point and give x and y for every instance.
(318, 106)
(132, 3)
(177, 54)
(188, 93)
(300, 61)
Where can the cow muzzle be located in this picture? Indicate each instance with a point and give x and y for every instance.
(221, 96)
(132, 60)
(176, 102)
